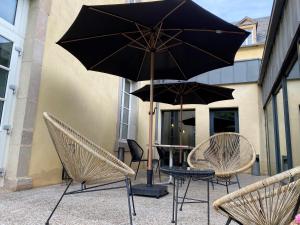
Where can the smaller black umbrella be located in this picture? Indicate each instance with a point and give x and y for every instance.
(189, 121)
(180, 93)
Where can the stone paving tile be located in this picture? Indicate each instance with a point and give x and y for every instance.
(32, 207)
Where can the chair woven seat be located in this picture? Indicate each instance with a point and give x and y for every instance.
(84, 161)
(226, 153)
(272, 201)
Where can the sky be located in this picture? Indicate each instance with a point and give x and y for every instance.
(235, 10)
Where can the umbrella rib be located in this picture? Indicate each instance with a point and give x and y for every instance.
(99, 36)
(159, 30)
(170, 39)
(131, 39)
(142, 34)
(205, 30)
(138, 76)
(176, 62)
(199, 49)
(129, 44)
(117, 16)
(169, 13)
(169, 46)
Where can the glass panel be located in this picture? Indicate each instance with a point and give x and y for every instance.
(3, 81)
(126, 100)
(249, 40)
(293, 89)
(124, 131)
(1, 110)
(270, 139)
(281, 130)
(170, 129)
(127, 86)
(224, 121)
(5, 51)
(8, 10)
(125, 115)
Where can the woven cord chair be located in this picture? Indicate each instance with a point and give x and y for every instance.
(86, 163)
(228, 154)
(273, 201)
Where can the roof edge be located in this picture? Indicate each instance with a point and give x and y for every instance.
(277, 10)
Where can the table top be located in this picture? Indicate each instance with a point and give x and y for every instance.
(181, 172)
(174, 146)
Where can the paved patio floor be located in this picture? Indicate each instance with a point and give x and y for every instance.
(32, 207)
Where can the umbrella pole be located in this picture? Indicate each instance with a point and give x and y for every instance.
(149, 164)
(181, 129)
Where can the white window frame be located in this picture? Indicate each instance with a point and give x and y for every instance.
(251, 37)
(123, 93)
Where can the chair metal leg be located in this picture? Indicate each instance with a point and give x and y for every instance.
(226, 183)
(132, 200)
(212, 184)
(128, 197)
(208, 209)
(137, 170)
(228, 221)
(173, 208)
(176, 201)
(186, 190)
(238, 181)
(159, 170)
(47, 222)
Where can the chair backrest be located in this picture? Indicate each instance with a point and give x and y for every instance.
(83, 160)
(161, 152)
(136, 150)
(226, 153)
(273, 201)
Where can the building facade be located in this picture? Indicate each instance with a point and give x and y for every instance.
(280, 85)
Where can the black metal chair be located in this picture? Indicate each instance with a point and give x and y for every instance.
(137, 153)
(161, 162)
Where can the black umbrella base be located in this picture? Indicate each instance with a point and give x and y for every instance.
(153, 191)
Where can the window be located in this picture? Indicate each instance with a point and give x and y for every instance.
(8, 9)
(170, 129)
(224, 120)
(272, 154)
(5, 56)
(125, 109)
(249, 40)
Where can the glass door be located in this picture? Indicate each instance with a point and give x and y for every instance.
(13, 19)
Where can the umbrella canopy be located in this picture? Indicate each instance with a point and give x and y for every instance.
(189, 121)
(170, 39)
(185, 93)
(118, 39)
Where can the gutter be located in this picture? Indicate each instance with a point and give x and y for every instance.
(277, 10)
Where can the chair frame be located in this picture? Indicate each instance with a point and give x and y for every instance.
(141, 159)
(51, 121)
(279, 178)
(226, 175)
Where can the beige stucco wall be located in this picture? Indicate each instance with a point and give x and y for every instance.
(86, 100)
(252, 52)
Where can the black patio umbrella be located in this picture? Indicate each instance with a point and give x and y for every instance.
(170, 39)
(180, 93)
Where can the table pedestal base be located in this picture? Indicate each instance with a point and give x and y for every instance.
(154, 191)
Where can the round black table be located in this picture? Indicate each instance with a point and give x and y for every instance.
(180, 173)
